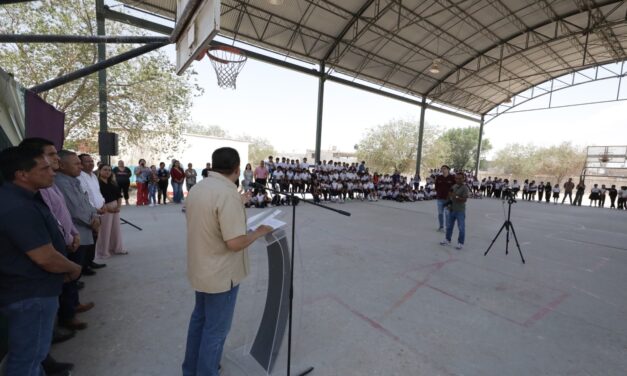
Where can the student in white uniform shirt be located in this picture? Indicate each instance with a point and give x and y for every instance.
(622, 197)
(350, 186)
(556, 193)
(595, 195)
(372, 192)
(277, 176)
(515, 188)
(336, 189)
(296, 182)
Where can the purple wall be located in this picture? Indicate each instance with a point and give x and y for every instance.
(43, 120)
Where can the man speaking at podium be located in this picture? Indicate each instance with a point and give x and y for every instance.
(217, 260)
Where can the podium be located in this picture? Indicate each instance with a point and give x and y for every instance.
(259, 357)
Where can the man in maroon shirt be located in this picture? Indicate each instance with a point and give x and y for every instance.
(443, 184)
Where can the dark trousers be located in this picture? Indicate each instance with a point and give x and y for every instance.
(124, 189)
(163, 191)
(90, 252)
(540, 194)
(68, 300)
(612, 201)
(602, 201)
(570, 197)
(578, 198)
(548, 196)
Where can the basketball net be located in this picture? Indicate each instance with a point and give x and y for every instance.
(227, 62)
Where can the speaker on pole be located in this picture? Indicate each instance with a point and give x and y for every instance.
(107, 143)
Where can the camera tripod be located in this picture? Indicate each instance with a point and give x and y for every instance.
(507, 225)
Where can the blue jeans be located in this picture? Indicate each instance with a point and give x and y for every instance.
(30, 334)
(442, 212)
(208, 327)
(460, 217)
(152, 193)
(177, 189)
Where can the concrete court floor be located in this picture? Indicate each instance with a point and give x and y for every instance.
(377, 295)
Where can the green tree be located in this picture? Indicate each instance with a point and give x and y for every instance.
(206, 130)
(393, 145)
(561, 161)
(528, 161)
(519, 161)
(148, 103)
(462, 144)
(259, 149)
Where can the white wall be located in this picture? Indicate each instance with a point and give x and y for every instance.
(198, 149)
(194, 149)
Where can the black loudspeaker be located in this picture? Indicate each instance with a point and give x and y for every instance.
(107, 143)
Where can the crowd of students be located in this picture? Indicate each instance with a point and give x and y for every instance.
(341, 182)
(548, 192)
(336, 182)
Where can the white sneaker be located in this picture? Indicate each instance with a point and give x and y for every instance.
(459, 246)
(151, 205)
(441, 229)
(445, 242)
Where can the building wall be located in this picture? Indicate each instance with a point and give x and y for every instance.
(194, 149)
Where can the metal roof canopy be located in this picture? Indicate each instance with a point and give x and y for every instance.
(488, 50)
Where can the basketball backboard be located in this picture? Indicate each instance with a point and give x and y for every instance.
(607, 157)
(608, 161)
(202, 27)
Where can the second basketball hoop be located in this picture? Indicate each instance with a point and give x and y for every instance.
(228, 62)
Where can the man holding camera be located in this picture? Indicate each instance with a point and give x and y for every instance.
(443, 184)
(457, 211)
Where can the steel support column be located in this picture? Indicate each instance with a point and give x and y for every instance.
(102, 74)
(321, 80)
(421, 130)
(478, 158)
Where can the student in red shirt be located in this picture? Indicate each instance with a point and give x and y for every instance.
(178, 177)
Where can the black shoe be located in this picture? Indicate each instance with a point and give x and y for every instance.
(94, 265)
(88, 272)
(52, 367)
(62, 334)
(62, 373)
(80, 285)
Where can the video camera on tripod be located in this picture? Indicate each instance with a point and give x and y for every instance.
(508, 195)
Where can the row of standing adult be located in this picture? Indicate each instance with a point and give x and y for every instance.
(546, 191)
(56, 215)
(152, 182)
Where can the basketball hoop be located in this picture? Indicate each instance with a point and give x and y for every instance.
(227, 62)
(604, 158)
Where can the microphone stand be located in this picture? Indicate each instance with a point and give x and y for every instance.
(293, 201)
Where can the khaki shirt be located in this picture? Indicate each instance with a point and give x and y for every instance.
(215, 214)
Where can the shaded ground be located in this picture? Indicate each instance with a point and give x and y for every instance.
(377, 295)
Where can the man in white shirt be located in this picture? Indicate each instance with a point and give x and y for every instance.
(91, 186)
(305, 165)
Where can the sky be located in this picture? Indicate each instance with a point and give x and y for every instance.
(280, 105)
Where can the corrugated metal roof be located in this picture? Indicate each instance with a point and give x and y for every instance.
(486, 50)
